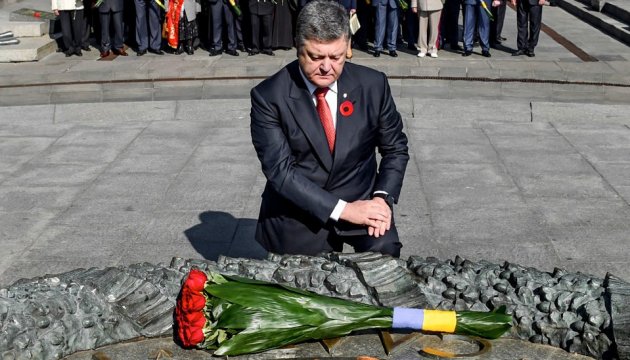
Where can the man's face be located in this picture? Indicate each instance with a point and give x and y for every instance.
(322, 62)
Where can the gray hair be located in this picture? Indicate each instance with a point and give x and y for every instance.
(322, 20)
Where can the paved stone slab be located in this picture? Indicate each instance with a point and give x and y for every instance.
(115, 113)
(412, 217)
(469, 186)
(591, 114)
(437, 114)
(223, 112)
(53, 175)
(29, 198)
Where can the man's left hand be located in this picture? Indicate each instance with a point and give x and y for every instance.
(382, 226)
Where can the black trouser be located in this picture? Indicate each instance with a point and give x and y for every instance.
(72, 28)
(87, 22)
(496, 26)
(262, 26)
(450, 21)
(532, 15)
(117, 23)
(388, 244)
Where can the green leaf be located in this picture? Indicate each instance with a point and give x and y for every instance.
(489, 325)
(259, 340)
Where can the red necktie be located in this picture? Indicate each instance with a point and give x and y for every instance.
(325, 117)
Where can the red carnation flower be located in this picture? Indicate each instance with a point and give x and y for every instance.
(191, 301)
(346, 108)
(190, 326)
(196, 280)
(190, 336)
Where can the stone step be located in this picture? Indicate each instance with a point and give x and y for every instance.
(25, 28)
(29, 49)
(610, 25)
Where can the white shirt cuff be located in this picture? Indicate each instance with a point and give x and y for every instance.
(336, 213)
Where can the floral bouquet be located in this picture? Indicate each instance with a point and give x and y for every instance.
(236, 8)
(237, 316)
(484, 6)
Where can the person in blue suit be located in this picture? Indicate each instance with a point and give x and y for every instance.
(223, 20)
(386, 26)
(476, 17)
(148, 27)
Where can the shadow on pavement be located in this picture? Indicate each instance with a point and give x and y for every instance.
(220, 233)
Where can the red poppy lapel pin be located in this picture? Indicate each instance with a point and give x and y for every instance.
(346, 108)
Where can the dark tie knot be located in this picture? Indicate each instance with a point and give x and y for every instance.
(321, 92)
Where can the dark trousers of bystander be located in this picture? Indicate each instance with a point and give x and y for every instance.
(528, 21)
(496, 26)
(450, 23)
(72, 28)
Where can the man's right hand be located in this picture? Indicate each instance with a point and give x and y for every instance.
(375, 214)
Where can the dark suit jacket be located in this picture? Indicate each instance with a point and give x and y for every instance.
(304, 181)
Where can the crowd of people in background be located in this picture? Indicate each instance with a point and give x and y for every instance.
(262, 26)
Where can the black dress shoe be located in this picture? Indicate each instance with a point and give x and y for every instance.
(268, 52)
(141, 52)
(156, 52)
(530, 53)
(231, 52)
(377, 53)
(518, 53)
(68, 53)
(393, 53)
(213, 52)
(467, 53)
(241, 48)
(456, 47)
(485, 53)
(86, 48)
(501, 38)
(253, 52)
(189, 50)
(78, 52)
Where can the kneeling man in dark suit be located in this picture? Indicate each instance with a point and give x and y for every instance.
(316, 126)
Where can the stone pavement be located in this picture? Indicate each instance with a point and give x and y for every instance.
(123, 161)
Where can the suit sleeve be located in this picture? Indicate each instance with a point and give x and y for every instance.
(392, 146)
(278, 164)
